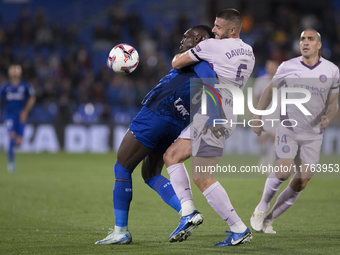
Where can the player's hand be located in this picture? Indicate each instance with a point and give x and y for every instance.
(218, 130)
(23, 117)
(324, 122)
(257, 129)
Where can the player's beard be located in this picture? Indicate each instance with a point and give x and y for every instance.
(225, 35)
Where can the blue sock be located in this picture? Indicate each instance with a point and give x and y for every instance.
(164, 188)
(122, 195)
(10, 151)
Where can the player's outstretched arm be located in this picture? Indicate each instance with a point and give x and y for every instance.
(264, 102)
(29, 105)
(182, 60)
(331, 110)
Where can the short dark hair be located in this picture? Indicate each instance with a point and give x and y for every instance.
(205, 29)
(316, 32)
(231, 15)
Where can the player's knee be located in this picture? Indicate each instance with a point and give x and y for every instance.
(19, 141)
(282, 176)
(170, 157)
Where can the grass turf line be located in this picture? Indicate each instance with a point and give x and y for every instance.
(62, 203)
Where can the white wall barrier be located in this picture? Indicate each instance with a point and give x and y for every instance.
(103, 138)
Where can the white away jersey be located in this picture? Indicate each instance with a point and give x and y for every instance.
(231, 59)
(320, 79)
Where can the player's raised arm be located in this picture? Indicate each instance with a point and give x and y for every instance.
(331, 110)
(182, 60)
(264, 102)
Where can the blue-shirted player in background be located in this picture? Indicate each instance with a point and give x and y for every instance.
(18, 98)
(164, 115)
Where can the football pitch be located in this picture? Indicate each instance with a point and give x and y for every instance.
(62, 204)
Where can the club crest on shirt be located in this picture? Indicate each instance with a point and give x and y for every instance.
(323, 78)
(286, 149)
(197, 48)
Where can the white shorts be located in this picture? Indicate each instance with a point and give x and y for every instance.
(288, 144)
(207, 145)
(185, 134)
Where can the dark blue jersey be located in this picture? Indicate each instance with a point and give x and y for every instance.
(170, 99)
(14, 98)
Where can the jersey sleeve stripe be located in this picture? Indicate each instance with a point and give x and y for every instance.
(194, 53)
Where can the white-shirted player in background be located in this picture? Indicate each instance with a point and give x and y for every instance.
(233, 61)
(302, 142)
(266, 139)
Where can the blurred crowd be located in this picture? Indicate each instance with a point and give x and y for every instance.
(73, 83)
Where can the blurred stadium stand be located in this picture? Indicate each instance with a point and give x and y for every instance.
(63, 46)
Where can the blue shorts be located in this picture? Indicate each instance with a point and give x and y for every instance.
(13, 124)
(153, 132)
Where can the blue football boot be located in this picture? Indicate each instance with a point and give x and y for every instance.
(236, 238)
(186, 225)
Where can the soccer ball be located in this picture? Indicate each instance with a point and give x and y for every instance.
(123, 58)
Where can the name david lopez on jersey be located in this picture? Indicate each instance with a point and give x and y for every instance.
(240, 52)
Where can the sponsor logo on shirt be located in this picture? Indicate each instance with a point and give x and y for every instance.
(14, 96)
(180, 107)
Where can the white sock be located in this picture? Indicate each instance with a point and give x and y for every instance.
(238, 227)
(188, 207)
(119, 230)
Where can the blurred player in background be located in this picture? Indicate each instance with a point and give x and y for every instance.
(299, 145)
(233, 61)
(18, 99)
(164, 115)
(266, 139)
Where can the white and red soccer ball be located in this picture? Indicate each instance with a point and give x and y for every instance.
(123, 58)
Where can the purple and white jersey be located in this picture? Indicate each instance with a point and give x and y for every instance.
(231, 59)
(320, 79)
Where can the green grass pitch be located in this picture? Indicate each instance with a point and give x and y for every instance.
(62, 203)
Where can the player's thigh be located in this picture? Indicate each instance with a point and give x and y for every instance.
(131, 152)
(309, 158)
(10, 127)
(310, 151)
(152, 165)
(286, 149)
(178, 152)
